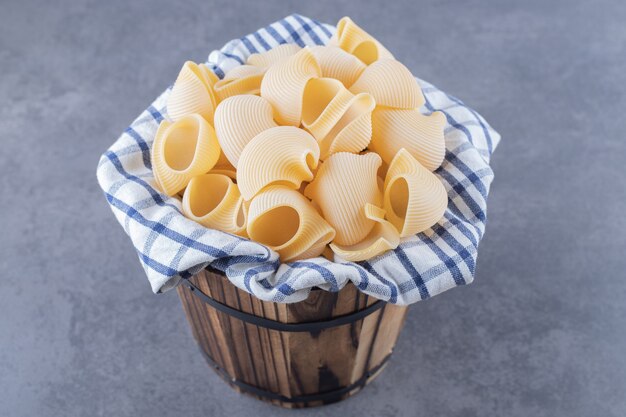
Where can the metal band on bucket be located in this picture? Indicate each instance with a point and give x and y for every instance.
(280, 326)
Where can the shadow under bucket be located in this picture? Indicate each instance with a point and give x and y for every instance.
(314, 352)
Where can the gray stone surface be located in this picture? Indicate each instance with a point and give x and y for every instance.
(541, 332)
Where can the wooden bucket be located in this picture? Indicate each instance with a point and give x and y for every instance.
(305, 354)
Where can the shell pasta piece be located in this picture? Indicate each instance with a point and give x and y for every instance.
(214, 201)
(244, 79)
(283, 85)
(391, 84)
(336, 63)
(193, 93)
(415, 199)
(284, 220)
(351, 38)
(324, 101)
(422, 136)
(282, 155)
(182, 150)
(353, 131)
(342, 187)
(238, 119)
(381, 238)
(340, 121)
(266, 59)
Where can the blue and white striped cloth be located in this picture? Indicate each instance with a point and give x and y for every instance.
(172, 247)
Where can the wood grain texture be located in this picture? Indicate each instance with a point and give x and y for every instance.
(291, 363)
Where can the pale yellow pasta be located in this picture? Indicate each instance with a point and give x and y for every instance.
(336, 63)
(266, 59)
(231, 173)
(415, 199)
(324, 101)
(342, 187)
(193, 93)
(244, 79)
(224, 167)
(340, 121)
(353, 131)
(182, 150)
(282, 155)
(351, 38)
(284, 220)
(381, 238)
(222, 161)
(238, 119)
(214, 201)
(391, 84)
(422, 136)
(284, 82)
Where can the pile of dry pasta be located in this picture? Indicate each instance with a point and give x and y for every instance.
(305, 150)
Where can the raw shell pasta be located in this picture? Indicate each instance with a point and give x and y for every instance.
(214, 201)
(284, 220)
(238, 119)
(244, 79)
(182, 150)
(336, 63)
(342, 187)
(391, 84)
(351, 38)
(274, 55)
(382, 238)
(340, 121)
(193, 93)
(422, 136)
(353, 131)
(282, 155)
(415, 199)
(324, 101)
(284, 83)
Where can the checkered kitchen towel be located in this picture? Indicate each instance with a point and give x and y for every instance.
(172, 247)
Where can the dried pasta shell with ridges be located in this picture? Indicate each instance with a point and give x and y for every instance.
(415, 199)
(193, 93)
(238, 119)
(353, 132)
(282, 155)
(284, 83)
(244, 79)
(422, 136)
(269, 58)
(324, 101)
(336, 63)
(214, 201)
(391, 84)
(351, 38)
(381, 238)
(342, 187)
(182, 150)
(284, 220)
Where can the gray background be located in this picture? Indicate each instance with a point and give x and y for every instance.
(542, 330)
